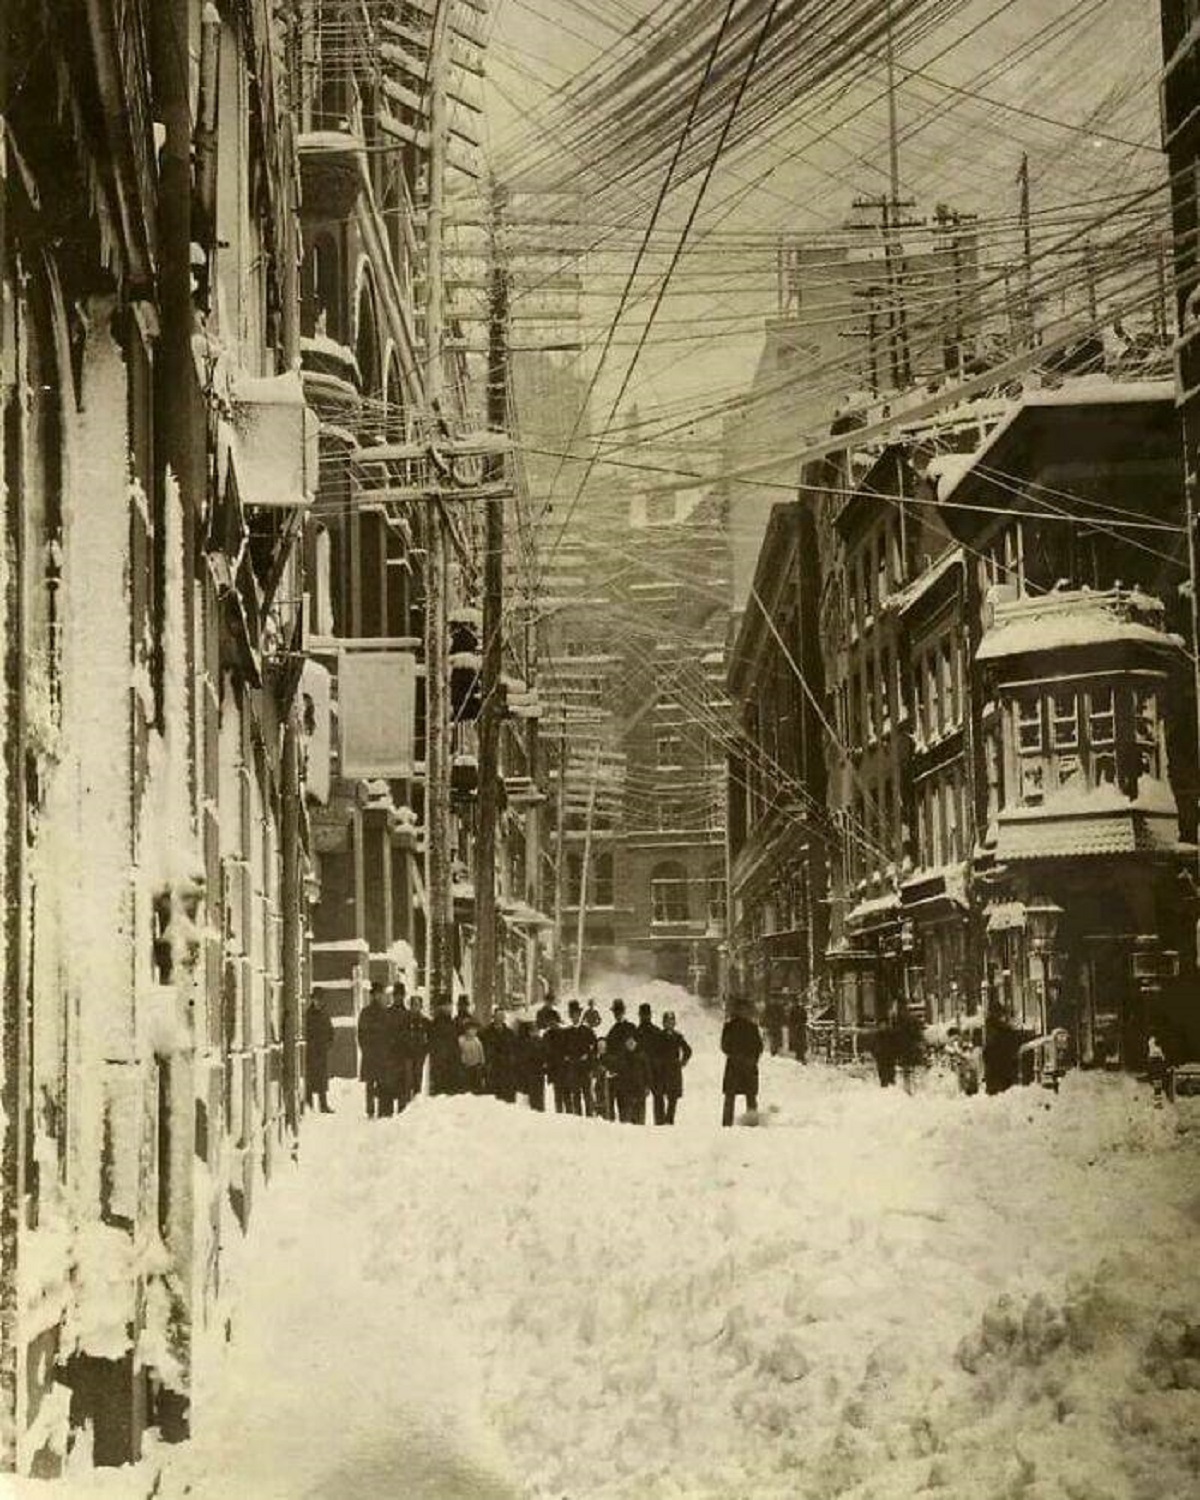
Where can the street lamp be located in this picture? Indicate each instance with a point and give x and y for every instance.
(1041, 925)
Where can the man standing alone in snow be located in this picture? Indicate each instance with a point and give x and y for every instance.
(741, 1042)
(372, 1045)
(318, 1038)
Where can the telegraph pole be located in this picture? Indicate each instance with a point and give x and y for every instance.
(486, 965)
(560, 864)
(589, 824)
(1026, 250)
(439, 927)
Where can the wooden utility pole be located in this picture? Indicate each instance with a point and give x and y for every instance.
(439, 925)
(533, 814)
(893, 128)
(560, 863)
(1026, 253)
(487, 935)
(291, 895)
(585, 867)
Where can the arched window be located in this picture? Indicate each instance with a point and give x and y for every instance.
(366, 344)
(668, 892)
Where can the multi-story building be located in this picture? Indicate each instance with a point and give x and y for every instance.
(1082, 713)
(1010, 744)
(159, 466)
(365, 164)
(778, 822)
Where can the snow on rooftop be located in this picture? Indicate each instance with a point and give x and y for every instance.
(1074, 618)
(1077, 390)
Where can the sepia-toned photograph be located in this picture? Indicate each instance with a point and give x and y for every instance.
(599, 749)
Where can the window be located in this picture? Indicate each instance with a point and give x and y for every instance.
(668, 893)
(920, 700)
(1065, 719)
(855, 709)
(953, 824)
(1145, 731)
(881, 567)
(670, 751)
(1102, 735)
(852, 601)
(671, 816)
(870, 683)
(1031, 744)
(714, 895)
(885, 690)
(949, 686)
(864, 584)
(1029, 724)
(932, 697)
(602, 879)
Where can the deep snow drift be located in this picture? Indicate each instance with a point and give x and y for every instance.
(875, 1295)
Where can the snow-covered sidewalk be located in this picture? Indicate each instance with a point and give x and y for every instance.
(874, 1295)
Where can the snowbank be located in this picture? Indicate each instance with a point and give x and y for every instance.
(875, 1296)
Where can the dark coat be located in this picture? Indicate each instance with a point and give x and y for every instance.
(417, 1036)
(615, 1051)
(529, 1058)
(546, 1016)
(394, 1031)
(372, 1042)
(578, 1054)
(445, 1063)
(741, 1042)
(797, 1021)
(633, 1080)
(554, 1043)
(1001, 1044)
(650, 1040)
(674, 1056)
(773, 1016)
(318, 1038)
(499, 1049)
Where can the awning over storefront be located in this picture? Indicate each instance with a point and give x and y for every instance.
(878, 911)
(519, 914)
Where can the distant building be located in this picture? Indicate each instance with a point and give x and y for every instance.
(780, 833)
(851, 319)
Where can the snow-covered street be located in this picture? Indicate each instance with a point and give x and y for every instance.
(873, 1295)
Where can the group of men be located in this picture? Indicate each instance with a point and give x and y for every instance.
(610, 1075)
(613, 1074)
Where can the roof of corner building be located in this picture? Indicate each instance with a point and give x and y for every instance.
(1076, 837)
(1086, 390)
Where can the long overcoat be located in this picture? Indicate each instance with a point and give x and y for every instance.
(741, 1042)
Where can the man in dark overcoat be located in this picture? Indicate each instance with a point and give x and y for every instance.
(499, 1049)
(318, 1038)
(372, 1046)
(741, 1042)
